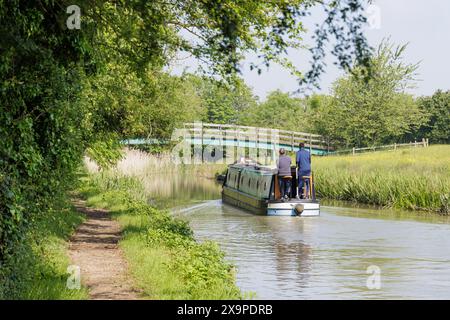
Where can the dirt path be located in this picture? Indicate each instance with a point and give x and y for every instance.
(94, 248)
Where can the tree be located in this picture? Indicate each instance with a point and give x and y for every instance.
(279, 111)
(220, 33)
(153, 104)
(370, 109)
(323, 115)
(437, 126)
(223, 102)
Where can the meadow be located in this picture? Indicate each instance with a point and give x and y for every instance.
(415, 179)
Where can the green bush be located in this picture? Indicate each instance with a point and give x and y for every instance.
(42, 120)
(37, 269)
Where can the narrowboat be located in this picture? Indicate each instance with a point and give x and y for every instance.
(255, 188)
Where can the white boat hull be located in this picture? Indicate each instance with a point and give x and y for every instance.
(310, 209)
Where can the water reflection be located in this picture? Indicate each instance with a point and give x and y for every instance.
(174, 189)
(292, 255)
(322, 257)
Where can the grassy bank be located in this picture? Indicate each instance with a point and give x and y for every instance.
(165, 260)
(417, 178)
(38, 267)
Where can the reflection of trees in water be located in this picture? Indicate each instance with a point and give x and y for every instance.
(177, 188)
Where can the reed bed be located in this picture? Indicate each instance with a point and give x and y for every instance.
(417, 178)
(136, 163)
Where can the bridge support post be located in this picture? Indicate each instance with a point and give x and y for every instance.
(310, 144)
(201, 132)
(257, 143)
(292, 141)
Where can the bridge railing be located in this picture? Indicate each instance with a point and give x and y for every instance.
(285, 138)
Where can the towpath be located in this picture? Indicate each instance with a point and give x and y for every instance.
(94, 248)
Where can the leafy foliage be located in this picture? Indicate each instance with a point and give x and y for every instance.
(37, 269)
(219, 33)
(149, 105)
(41, 117)
(437, 126)
(222, 102)
(280, 110)
(375, 111)
(344, 22)
(106, 152)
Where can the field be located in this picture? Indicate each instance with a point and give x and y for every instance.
(416, 178)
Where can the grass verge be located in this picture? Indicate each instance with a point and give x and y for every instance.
(417, 178)
(38, 268)
(165, 260)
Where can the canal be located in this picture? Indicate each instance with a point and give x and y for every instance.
(346, 253)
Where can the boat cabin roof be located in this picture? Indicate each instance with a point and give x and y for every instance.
(254, 167)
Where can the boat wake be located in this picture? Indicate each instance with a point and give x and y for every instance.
(196, 207)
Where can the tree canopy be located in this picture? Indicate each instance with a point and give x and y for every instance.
(376, 110)
(437, 125)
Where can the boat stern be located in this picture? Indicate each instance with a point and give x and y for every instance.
(305, 208)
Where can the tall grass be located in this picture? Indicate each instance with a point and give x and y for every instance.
(136, 163)
(416, 178)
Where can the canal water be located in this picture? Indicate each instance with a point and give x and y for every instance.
(346, 253)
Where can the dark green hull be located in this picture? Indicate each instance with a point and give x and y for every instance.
(245, 201)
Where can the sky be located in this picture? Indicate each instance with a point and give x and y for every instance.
(424, 25)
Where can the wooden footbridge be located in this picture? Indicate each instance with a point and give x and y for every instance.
(229, 135)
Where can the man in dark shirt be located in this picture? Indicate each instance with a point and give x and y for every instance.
(284, 174)
(303, 160)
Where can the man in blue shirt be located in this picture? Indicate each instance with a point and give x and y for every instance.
(303, 160)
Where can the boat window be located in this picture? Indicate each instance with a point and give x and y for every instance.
(249, 180)
(257, 184)
(265, 185)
